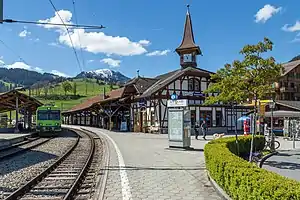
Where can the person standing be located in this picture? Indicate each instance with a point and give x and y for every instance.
(204, 129)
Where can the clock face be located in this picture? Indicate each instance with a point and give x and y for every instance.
(187, 57)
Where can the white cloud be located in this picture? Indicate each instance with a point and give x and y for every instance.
(95, 42)
(297, 39)
(293, 28)
(58, 73)
(90, 61)
(55, 44)
(111, 62)
(24, 33)
(65, 16)
(98, 42)
(158, 53)
(266, 13)
(144, 42)
(22, 65)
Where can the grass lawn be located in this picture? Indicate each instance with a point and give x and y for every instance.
(86, 89)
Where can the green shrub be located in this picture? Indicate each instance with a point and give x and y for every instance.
(243, 180)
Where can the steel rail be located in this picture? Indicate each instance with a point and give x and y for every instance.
(25, 188)
(72, 192)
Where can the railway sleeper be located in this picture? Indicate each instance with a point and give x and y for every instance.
(52, 187)
(62, 174)
(60, 178)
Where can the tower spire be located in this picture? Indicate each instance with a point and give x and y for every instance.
(188, 42)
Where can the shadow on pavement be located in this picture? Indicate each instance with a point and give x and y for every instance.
(283, 165)
(284, 154)
(182, 149)
(153, 168)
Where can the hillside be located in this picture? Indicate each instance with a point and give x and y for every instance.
(24, 77)
(85, 88)
(31, 79)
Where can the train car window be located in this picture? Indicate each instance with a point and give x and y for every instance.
(54, 115)
(42, 115)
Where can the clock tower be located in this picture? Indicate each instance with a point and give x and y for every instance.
(188, 50)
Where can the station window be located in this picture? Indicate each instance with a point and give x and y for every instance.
(194, 84)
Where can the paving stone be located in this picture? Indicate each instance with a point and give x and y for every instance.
(155, 172)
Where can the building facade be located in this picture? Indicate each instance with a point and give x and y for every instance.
(288, 86)
(144, 100)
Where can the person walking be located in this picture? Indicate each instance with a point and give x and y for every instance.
(196, 129)
(204, 129)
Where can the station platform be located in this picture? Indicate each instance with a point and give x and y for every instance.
(8, 139)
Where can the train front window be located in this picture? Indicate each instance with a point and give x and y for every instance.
(42, 115)
(54, 115)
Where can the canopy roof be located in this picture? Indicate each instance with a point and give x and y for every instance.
(283, 113)
(8, 101)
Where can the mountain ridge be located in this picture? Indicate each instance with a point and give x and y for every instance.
(29, 78)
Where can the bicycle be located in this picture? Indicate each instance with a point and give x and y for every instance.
(269, 144)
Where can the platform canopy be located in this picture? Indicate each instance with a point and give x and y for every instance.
(283, 113)
(10, 100)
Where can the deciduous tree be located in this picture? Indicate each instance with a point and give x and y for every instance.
(251, 78)
(67, 87)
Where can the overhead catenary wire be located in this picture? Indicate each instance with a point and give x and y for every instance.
(72, 44)
(13, 51)
(76, 21)
(83, 62)
(73, 26)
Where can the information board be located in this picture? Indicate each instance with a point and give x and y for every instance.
(123, 126)
(175, 125)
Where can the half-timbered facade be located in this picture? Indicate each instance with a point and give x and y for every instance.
(149, 108)
(145, 99)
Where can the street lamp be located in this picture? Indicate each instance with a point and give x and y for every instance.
(272, 107)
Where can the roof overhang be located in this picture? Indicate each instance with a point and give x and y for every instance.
(8, 101)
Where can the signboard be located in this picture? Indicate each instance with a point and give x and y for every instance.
(175, 125)
(177, 103)
(185, 93)
(123, 126)
(199, 94)
(192, 93)
(174, 96)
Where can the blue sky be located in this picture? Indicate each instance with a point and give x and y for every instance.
(144, 34)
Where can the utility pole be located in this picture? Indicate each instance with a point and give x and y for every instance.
(1, 11)
(272, 133)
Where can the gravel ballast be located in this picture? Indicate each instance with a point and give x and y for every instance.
(20, 169)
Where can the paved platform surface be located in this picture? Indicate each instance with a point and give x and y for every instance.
(10, 136)
(7, 139)
(287, 162)
(149, 170)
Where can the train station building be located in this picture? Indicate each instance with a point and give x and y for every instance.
(141, 104)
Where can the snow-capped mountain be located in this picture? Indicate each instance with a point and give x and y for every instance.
(105, 75)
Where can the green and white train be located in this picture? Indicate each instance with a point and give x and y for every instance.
(48, 120)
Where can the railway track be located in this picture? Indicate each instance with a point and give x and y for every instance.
(22, 147)
(63, 178)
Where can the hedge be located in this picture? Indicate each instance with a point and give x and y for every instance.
(243, 180)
